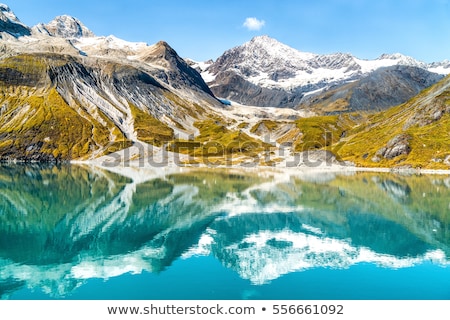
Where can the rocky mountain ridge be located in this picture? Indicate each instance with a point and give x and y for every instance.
(264, 68)
(379, 90)
(61, 72)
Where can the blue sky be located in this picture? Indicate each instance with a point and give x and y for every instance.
(201, 29)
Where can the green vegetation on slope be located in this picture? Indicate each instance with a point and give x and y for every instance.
(423, 119)
(415, 134)
(149, 129)
(45, 128)
(37, 124)
(22, 70)
(270, 125)
(322, 132)
(217, 141)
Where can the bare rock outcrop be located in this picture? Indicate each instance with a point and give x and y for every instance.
(399, 145)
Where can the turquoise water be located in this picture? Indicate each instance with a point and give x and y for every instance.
(76, 232)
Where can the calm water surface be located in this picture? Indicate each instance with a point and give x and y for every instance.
(75, 232)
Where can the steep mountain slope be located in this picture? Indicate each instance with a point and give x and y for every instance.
(265, 72)
(61, 100)
(173, 70)
(381, 89)
(10, 24)
(416, 133)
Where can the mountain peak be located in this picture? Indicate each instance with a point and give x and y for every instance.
(67, 27)
(266, 42)
(162, 44)
(394, 56)
(263, 39)
(10, 24)
(401, 59)
(177, 72)
(391, 56)
(266, 46)
(164, 49)
(6, 11)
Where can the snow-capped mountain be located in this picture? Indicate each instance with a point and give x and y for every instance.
(113, 90)
(66, 27)
(442, 67)
(10, 24)
(7, 14)
(269, 67)
(378, 90)
(265, 61)
(119, 94)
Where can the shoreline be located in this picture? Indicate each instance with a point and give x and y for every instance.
(173, 167)
(334, 168)
(139, 174)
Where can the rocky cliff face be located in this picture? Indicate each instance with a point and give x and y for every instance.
(10, 24)
(381, 89)
(236, 88)
(174, 70)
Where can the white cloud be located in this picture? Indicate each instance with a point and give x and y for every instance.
(252, 23)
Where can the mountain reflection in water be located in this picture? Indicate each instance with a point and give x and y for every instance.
(61, 226)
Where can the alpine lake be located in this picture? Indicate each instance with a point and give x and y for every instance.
(82, 232)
